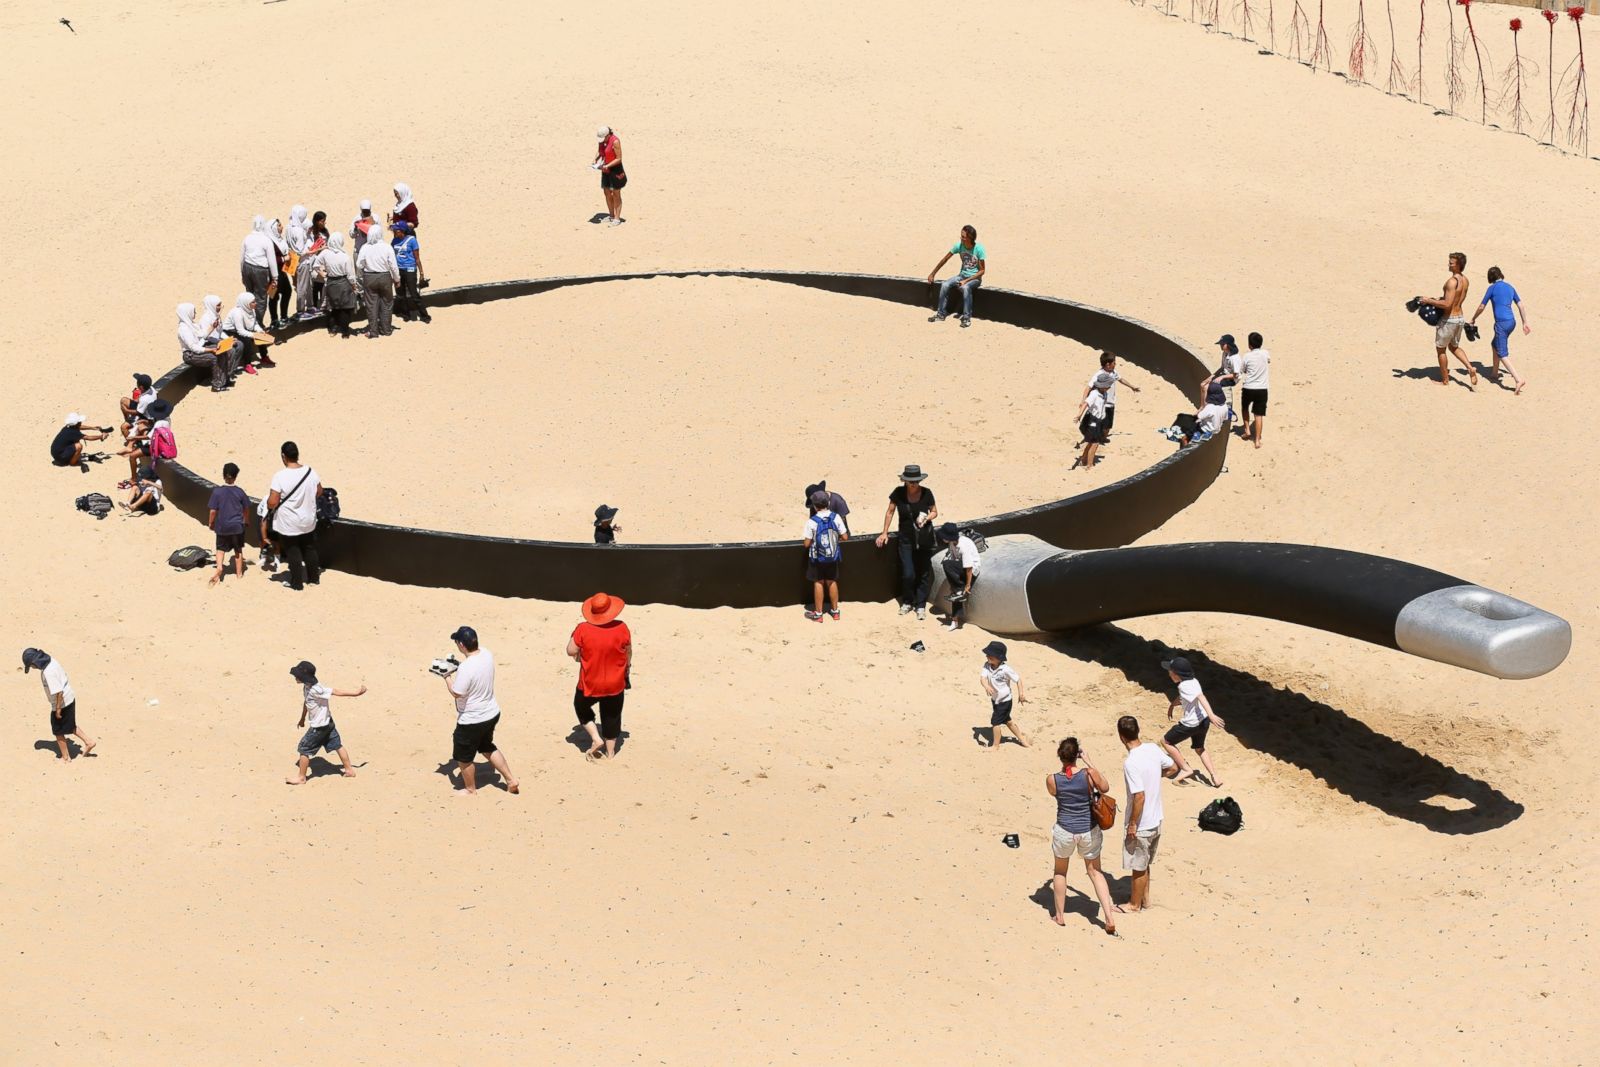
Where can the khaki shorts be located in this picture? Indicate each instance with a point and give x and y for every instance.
(1448, 332)
(1139, 851)
(1064, 843)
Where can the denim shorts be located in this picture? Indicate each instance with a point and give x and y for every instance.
(321, 738)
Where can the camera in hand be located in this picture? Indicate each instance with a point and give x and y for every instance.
(444, 668)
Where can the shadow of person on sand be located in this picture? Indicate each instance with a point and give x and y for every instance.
(579, 739)
(72, 747)
(1431, 374)
(1346, 753)
(488, 777)
(321, 767)
(1078, 902)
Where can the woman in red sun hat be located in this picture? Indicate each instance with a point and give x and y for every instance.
(603, 648)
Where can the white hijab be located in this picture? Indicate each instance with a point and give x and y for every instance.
(275, 231)
(402, 193)
(299, 239)
(242, 319)
(213, 315)
(188, 335)
(259, 225)
(335, 260)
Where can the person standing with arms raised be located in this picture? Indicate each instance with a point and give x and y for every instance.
(603, 647)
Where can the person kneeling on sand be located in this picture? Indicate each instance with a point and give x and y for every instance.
(603, 646)
(998, 678)
(477, 712)
(316, 718)
(824, 541)
(1142, 772)
(1076, 831)
(63, 701)
(1196, 720)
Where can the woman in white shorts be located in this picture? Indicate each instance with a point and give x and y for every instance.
(1075, 830)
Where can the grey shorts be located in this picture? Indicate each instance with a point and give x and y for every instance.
(1448, 332)
(321, 738)
(1139, 851)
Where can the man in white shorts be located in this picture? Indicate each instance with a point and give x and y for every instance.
(1142, 772)
(1448, 333)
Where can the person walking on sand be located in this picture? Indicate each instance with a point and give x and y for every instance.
(63, 701)
(1504, 298)
(603, 646)
(999, 680)
(824, 541)
(608, 161)
(1092, 417)
(914, 504)
(1253, 382)
(974, 264)
(226, 516)
(1076, 831)
(1447, 335)
(471, 685)
(1108, 365)
(1142, 771)
(1195, 722)
(316, 718)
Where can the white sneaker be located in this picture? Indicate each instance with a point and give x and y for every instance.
(921, 614)
(951, 626)
(614, 222)
(905, 609)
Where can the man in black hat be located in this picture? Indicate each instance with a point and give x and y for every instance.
(961, 566)
(63, 701)
(316, 718)
(133, 406)
(471, 685)
(605, 531)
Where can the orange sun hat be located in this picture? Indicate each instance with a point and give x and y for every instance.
(602, 608)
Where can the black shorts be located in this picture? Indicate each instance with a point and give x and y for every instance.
(68, 723)
(1253, 401)
(1002, 714)
(1093, 430)
(1111, 417)
(230, 542)
(818, 571)
(613, 179)
(1180, 733)
(473, 738)
(610, 712)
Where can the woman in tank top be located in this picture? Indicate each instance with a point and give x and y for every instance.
(1075, 829)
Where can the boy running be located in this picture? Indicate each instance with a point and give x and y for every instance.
(316, 716)
(1196, 720)
(998, 681)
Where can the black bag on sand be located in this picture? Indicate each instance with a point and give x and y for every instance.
(188, 558)
(1222, 816)
(97, 504)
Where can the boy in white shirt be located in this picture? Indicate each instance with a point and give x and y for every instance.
(316, 716)
(998, 681)
(63, 701)
(1092, 416)
(824, 540)
(961, 566)
(1108, 365)
(1196, 720)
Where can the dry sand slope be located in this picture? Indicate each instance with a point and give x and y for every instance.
(798, 858)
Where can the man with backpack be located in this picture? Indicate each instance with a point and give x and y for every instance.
(824, 537)
(292, 517)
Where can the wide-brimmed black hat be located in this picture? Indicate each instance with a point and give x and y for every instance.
(997, 649)
(604, 513)
(304, 672)
(949, 532)
(159, 409)
(1179, 666)
(912, 473)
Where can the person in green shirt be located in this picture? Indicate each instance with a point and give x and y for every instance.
(973, 265)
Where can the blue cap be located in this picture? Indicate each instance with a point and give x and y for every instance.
(466, 635)
(1227, 339)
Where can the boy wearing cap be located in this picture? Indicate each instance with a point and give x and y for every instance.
(1196, 720)
(999, 679)
(477, 712)
(836, 504)
(135, 404)
(67, 448)
(961, 566)
(603, 646)
(1213, 414)
(824, 535)
(605, 530)
(316, 718)
(1092, 416)
(227, 508)
(1108, 365)
(63, 701)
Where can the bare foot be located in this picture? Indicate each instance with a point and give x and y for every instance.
(595, 755)
(1518, 391)
(294, 781)
(1119, 909)
(1473, 383)
(88, 747)
(1217, 784)
(348, 772)
(513, 788)
(215, 578)
(465, 793)
(1183, 777)
(1060, 919)
(1111, 929)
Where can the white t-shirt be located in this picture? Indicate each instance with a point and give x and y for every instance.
(473, 685)
(823, 516)
(145, 400)
(1212, 417)
(1189, 693)
(54, 680)
(967, 552)
(1111, 394)
(296, 514)
(1001, 678)
(317, 698)
(1255, 369)
(1096, 405)
(1141, 773)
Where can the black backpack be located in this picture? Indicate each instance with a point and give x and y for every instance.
(97, 504)
(188, 558)
(327, 507)
(1222, 816)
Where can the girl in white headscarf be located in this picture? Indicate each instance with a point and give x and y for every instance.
(258, 263)
(195, 352)
(210, 326)
(241, 325)
(278, 302)
(338, 274)
(405, 209)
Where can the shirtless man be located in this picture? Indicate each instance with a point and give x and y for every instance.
(1448, 333)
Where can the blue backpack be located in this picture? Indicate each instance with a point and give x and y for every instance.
(825, 542)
